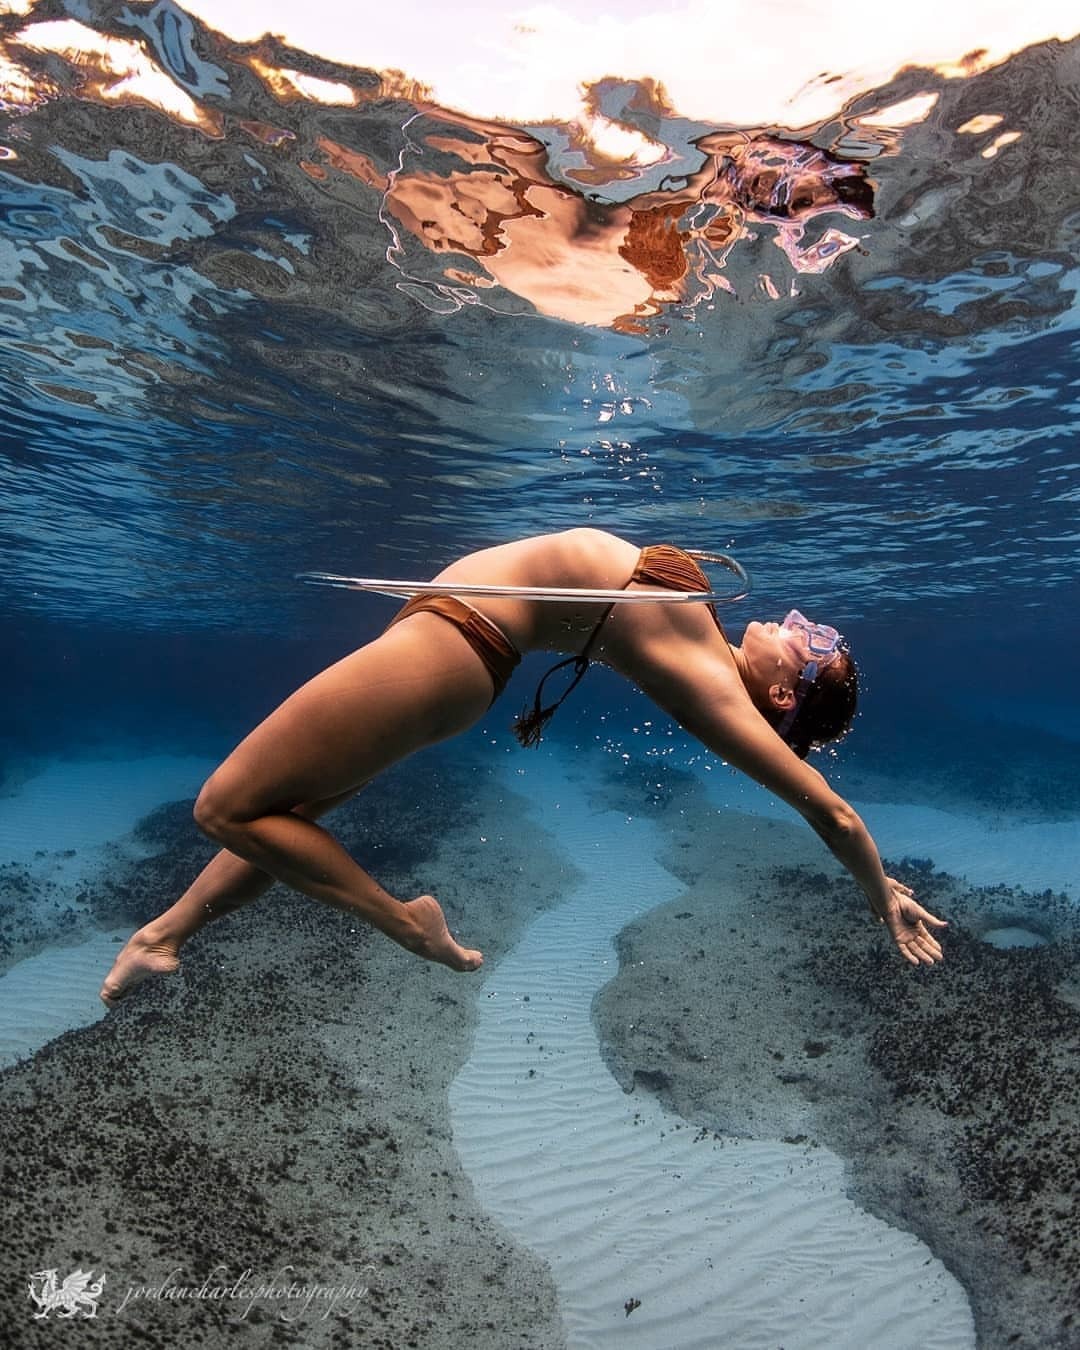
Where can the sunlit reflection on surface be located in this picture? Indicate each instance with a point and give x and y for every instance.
(215, 234)
(290, 84)
(466, 189)
(752, 62)
(114, 69)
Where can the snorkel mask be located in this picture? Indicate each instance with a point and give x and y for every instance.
(824, 643)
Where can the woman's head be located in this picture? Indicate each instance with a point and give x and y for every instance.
(827, 708)
(802, 678)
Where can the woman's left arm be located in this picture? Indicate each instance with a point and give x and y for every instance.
(724, 719)
(847, 837)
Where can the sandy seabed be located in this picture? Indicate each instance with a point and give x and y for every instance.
(660, 1233)
(693, 1143)
(261, 1143)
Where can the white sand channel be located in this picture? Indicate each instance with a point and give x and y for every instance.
(725, 1242)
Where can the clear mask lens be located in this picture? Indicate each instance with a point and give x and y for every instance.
(823, 640)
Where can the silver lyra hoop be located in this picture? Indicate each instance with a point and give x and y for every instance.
(404, 589)
(732, 565)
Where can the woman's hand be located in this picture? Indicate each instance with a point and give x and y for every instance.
(908, 923)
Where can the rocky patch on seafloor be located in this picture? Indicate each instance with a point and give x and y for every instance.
(34, 912)
(276, 1113)
(953, 1092)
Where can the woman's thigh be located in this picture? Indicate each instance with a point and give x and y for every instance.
(418, 683)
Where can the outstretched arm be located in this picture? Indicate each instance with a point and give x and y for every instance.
(848, 838)
(719, 712)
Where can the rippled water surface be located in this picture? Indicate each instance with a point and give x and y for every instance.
(261, 313)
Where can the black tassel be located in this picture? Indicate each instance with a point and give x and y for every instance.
(529, 727)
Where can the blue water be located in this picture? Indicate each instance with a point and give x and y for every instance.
(230, 356)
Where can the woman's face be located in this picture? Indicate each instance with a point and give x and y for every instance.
(774, 654)
(774, 658)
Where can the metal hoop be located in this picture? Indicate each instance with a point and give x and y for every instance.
(404, 589)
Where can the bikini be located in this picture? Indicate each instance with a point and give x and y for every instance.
(487, 639)
(657, 565)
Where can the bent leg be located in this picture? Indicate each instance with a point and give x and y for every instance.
(418, 683)
(225, 884)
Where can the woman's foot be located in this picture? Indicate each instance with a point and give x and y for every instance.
(434, 942)
(139, 957)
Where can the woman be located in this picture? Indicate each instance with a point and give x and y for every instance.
(436, 670)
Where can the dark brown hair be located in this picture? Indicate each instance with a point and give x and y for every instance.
(828, 707)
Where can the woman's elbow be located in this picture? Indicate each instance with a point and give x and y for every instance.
(837, 823)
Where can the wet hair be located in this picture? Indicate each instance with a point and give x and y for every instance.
(828, 707)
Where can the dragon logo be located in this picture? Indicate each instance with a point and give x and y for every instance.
(76, 1294)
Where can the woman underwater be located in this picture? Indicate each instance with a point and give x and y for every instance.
(435, 671)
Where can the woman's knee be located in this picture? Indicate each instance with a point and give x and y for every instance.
(215, 812)
(220, 816)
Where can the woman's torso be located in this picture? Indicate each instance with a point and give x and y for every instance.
(632, 635)
(578, 559)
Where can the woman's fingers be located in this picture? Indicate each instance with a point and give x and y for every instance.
(924, 949)
(915, 941)
(913, 912)
(910, 926)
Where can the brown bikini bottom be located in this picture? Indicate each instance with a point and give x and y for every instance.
(487, 639)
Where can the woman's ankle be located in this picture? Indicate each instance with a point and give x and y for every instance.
(161, 936)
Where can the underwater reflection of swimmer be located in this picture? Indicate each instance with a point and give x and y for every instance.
(486, 193)
(435, 671)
